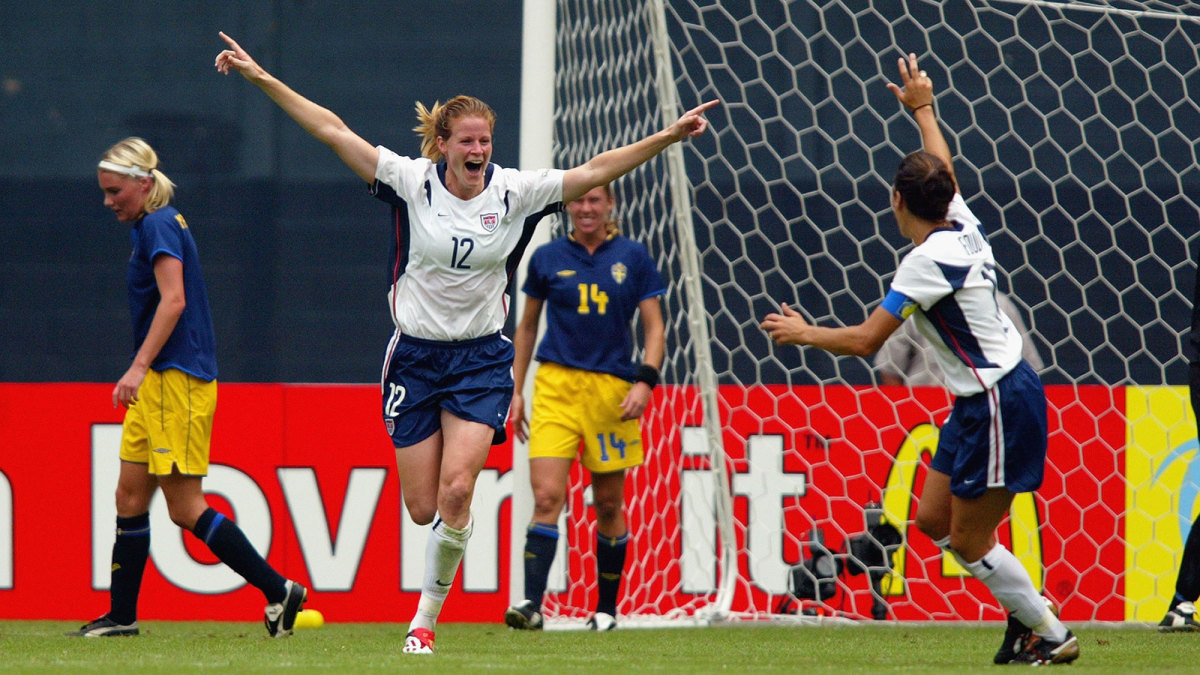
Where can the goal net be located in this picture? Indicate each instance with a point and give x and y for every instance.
(1073, 128)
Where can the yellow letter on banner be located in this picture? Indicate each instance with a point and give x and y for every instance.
(1160, 452)
(897, 508)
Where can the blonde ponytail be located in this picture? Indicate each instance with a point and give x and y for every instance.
(135, 158)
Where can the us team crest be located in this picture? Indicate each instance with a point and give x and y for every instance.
(490, 221)
(391, 425)
(619, 272)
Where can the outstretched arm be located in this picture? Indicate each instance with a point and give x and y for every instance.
(917, 96)
(322, 123)
(789, 327)
(610, 165)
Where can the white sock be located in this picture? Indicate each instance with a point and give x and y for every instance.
(443, 553)
(1010, 584)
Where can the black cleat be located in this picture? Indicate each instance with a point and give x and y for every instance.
(1015, 637)
(1014, 641)
(1180, 619)
(104, 627)
(1039, 651)
(523, 616)
(280, 617)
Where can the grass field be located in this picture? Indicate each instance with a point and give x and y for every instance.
(166, 646)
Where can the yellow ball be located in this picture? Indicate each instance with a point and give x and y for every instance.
(309, 618)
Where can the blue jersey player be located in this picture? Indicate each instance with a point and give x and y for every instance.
(994, 443)
(170, 395)
(589, 395)
(459, 226)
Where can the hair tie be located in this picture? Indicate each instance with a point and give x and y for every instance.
(134, 171)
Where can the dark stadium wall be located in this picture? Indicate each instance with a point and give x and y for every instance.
(293, 248)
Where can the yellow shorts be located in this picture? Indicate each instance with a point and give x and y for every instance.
(570, 406)
(171, 423)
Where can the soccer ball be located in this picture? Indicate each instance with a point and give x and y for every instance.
(309, 618)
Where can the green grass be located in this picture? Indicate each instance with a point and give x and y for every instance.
(166, 646)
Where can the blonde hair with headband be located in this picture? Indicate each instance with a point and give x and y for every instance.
(135, 158)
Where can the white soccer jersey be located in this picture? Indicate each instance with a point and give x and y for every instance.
(951, 281)
(452, 259)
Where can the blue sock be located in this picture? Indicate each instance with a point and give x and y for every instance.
(129, 554)
(541, 543)
(224, 538)
(610, 564)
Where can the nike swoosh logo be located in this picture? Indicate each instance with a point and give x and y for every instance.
(439, 583)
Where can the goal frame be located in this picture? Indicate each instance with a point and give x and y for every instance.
(1114, 406)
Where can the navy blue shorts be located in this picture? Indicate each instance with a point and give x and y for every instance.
(471, 379)
(996, 438)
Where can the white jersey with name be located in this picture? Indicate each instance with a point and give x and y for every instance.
(949, 287)
(452, 259)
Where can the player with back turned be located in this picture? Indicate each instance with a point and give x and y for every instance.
(994, 443)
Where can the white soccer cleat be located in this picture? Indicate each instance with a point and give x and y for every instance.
(1180, 619)
(601, 621)
(418, 641)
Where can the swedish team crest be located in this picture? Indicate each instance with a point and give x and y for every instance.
(490, 221)
(619, 272)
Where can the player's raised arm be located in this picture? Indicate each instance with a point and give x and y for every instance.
(916, 94)
(789, 327)
(612, 164)
(322, 123)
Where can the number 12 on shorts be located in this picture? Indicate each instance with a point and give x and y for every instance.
(391, 407)
(612, 442)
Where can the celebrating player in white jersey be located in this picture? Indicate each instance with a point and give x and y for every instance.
(460, 225)
(994, 443)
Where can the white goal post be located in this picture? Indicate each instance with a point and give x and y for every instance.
(537, 15)
(1074, 130)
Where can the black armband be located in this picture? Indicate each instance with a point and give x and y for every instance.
(648, 374)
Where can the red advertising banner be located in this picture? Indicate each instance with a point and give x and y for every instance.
(308, 472)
